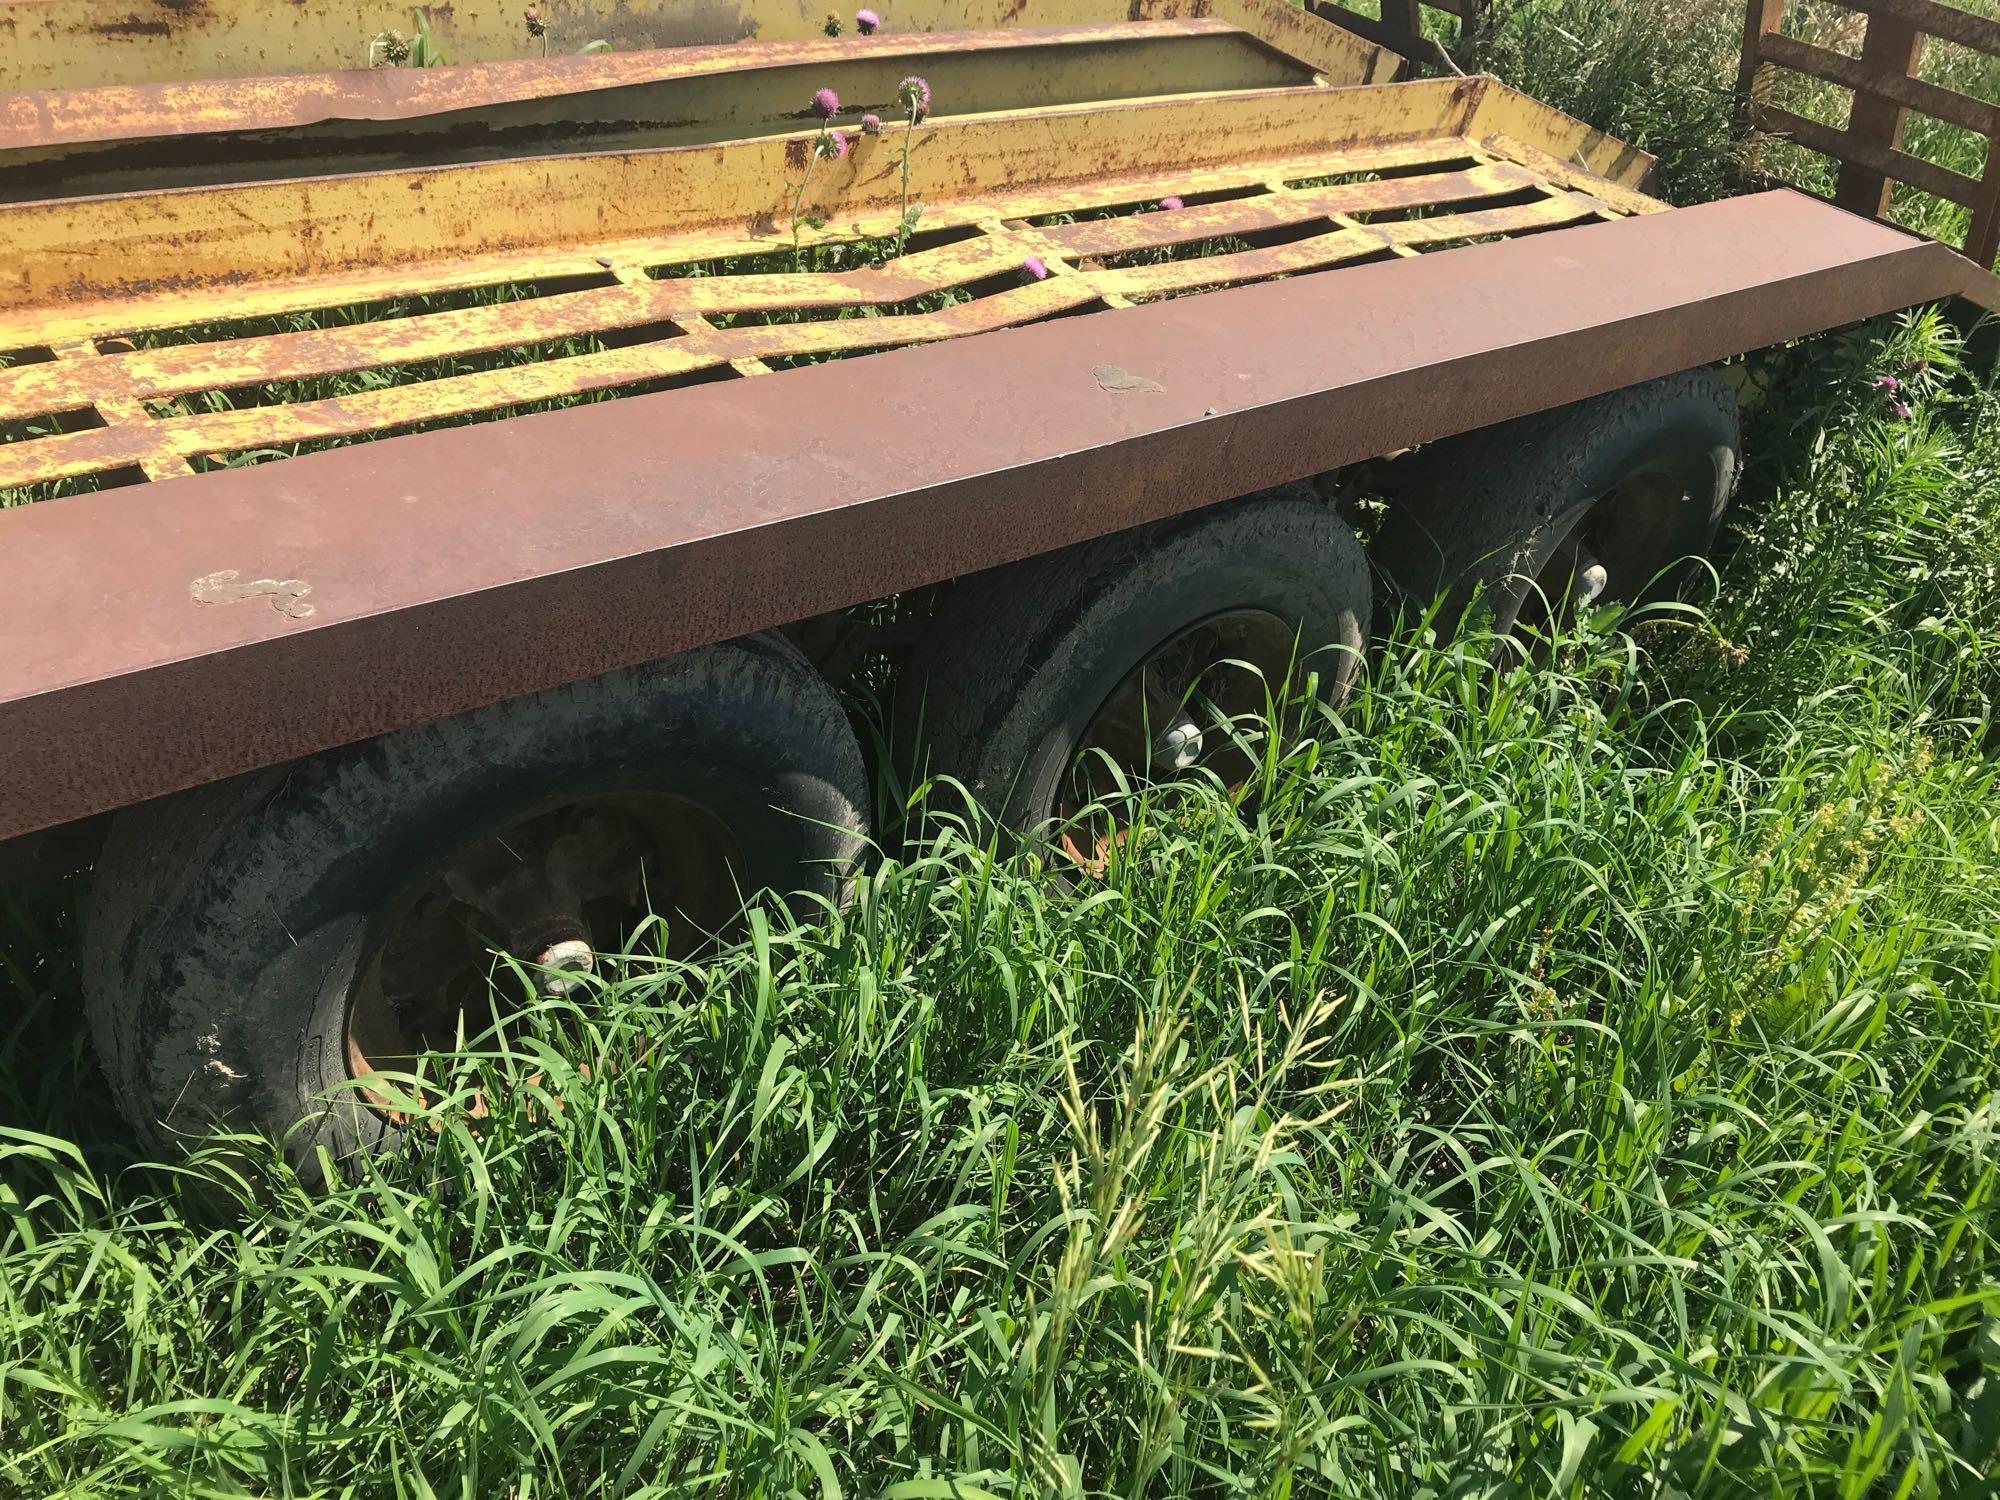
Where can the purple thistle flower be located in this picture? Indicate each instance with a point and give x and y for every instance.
(914, 95)
(1170, 204)
(826, 104)
(1888, 383)
(867, 22)
(1900, 410)
(1032, 269)
(832, 146)
(871, 124)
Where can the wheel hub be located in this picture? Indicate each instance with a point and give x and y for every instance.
(1151, 725)
(553, 892)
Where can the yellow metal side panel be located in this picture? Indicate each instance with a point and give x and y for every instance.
(749, 81)
(82, 43)
(614, 106)
(1504, 112)
(92, 249)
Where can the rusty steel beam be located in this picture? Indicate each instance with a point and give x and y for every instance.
(153, 639)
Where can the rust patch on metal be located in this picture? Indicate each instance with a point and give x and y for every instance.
(133, 26)
(1113, 378)
(287, 595)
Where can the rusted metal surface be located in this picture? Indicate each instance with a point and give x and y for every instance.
(458, 567)
(68, 143)
(174, 376)
(69, 44)
(1885, 88)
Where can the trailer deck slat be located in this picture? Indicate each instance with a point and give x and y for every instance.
(221, 364)
(161, 392)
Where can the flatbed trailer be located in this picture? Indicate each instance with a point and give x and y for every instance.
(407, 563)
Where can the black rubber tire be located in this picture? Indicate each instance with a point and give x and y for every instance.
(225, 924)
(1019, 659)
(1489, 509)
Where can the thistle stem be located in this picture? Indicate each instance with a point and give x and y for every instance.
(903, 222)
(798, 198)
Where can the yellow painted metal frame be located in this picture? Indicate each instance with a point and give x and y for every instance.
(78, 267)
(89, 142)
(1274, 183)
(714, 92)
(62, 44)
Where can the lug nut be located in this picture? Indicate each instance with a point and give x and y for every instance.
(560, 961)
(1590, 577)
(1180, 745)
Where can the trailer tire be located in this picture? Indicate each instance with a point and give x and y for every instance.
(1655, 464)
(1020, 659)
(226, 925)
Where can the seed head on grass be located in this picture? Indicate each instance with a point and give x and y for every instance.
(389, 49)
(825, 104)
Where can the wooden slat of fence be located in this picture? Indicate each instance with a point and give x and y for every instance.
(1843, 146)
(1982, 240)
(1933, 19)
(1851, 72)
(1761, 21)
(1890, 48)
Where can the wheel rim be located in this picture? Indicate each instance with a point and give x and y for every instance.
(1615, 552)
(552, 890)
(1164, 719)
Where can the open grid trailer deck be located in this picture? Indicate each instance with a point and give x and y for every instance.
(440, 504)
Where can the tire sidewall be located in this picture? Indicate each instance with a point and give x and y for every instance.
(1120, 614)
(226, 999)
(1485, 512)
(340, 915)
(1695, 447)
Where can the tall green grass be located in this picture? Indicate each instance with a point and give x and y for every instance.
(1662, 74)
(1543, 1081)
